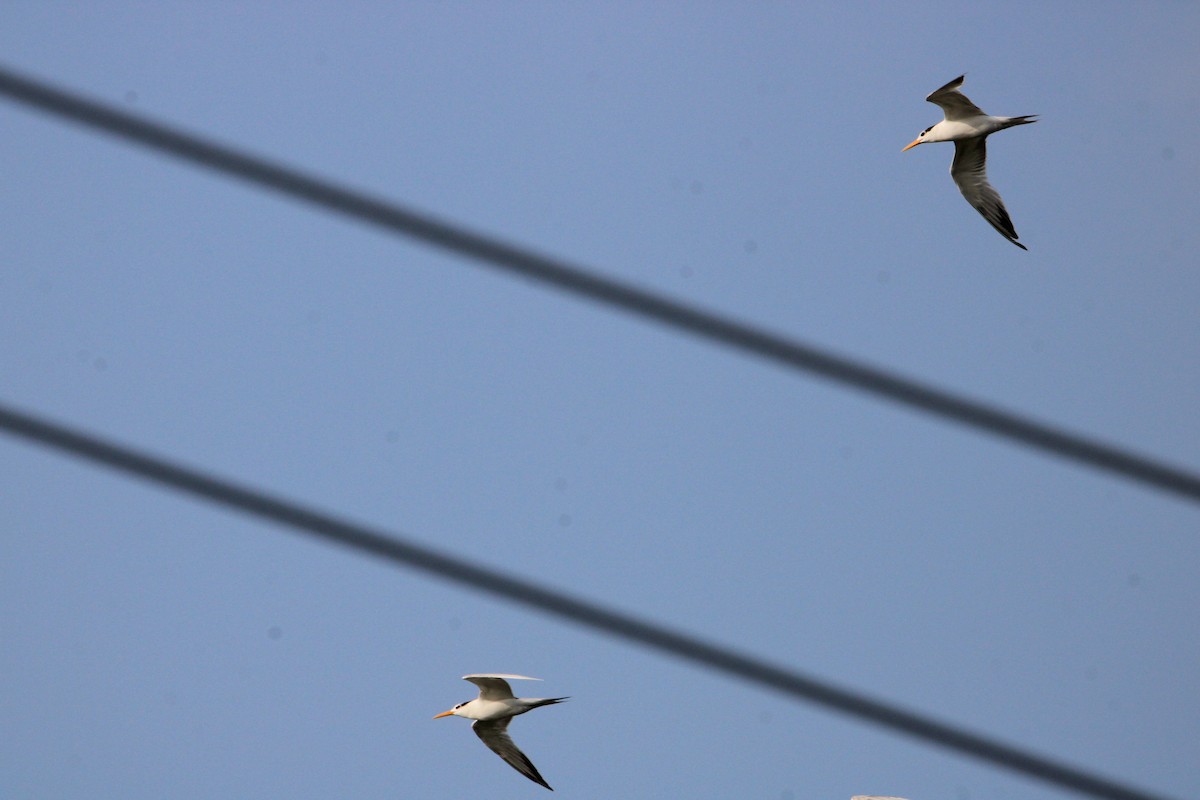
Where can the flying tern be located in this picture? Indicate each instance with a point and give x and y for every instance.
(968, 127)
(493, 710)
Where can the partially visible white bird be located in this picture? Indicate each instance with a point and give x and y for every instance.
(493, 710)
(968, 127)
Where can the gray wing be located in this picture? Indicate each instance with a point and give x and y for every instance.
(969, 171)
(494, 686)
(491, 687)
(494, 733)
(954, 103)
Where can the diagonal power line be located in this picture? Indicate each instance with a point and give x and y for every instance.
(581, 282)
(574, 609)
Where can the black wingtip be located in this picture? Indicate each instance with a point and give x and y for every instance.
(954, 84)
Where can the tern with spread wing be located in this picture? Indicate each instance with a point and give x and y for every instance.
(493, 710)
(968, 127)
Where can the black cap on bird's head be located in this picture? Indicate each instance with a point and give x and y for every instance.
(919, 140)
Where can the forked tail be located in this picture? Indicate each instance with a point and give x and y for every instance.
(1025, 120)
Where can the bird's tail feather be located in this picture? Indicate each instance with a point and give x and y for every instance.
(1011, 121)
(538, 702)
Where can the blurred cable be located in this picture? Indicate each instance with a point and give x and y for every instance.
(574, 609)
(591, 286)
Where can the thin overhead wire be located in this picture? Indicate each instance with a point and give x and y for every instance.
(581, 282)
(582, 612)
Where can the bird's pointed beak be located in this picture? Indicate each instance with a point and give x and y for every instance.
(914, 143)
(444, 714)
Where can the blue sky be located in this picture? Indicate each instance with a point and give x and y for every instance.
(745, 159)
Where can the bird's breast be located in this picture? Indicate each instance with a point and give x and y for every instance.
(493, 709)
(965, 129)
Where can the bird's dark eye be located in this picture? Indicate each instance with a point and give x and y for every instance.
(927, 130)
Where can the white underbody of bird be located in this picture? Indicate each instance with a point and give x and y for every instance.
(493, 710)
(968, 127)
